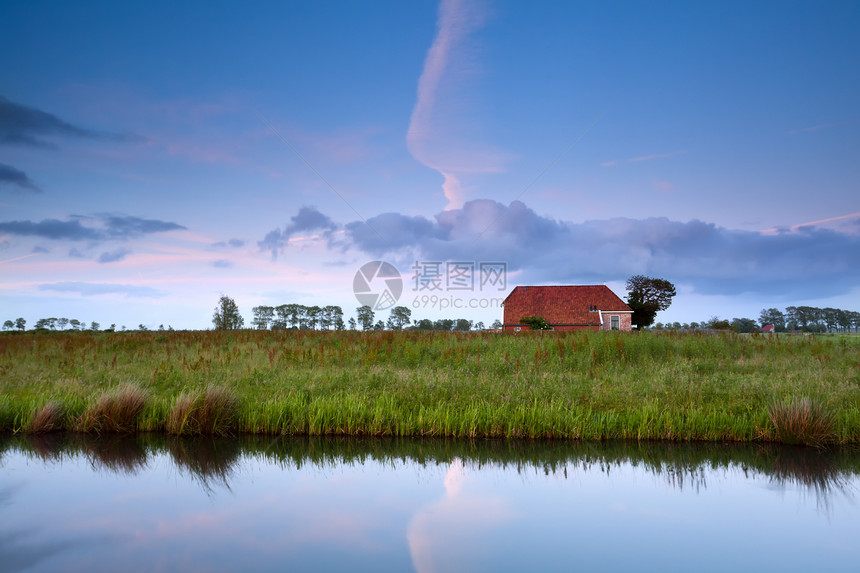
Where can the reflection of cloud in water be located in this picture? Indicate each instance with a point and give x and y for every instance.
(22, 549)
(445, 535)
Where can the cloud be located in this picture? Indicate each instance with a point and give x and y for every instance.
(222, 264)
(52, 229)
(232, 243)
(855, 216)
(22, 125)
(442, 134)
(113, 256)
(814, 128)
(110, 227)
(810, 262)
(94, 289)
(642, 158)
(654, 156)
(9, 176)
(307, 219)
(126, 227)
(40, 249)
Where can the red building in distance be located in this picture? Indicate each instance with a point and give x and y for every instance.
(581, 307)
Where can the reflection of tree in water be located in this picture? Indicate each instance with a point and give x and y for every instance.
(209, 461)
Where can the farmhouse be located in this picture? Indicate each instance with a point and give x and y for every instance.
(587, 307)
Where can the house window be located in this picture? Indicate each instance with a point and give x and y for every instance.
(614, 322)
(516, 329)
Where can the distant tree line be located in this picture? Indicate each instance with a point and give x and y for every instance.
(793, 318)
(51, 324)
(811, 319)
(71, 325)
(301, 317)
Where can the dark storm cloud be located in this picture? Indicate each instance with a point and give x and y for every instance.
(810, 262)
(113, 256)
(307, 219)
(22, 125)
(111, 227)
(9, 176)
(93, 289)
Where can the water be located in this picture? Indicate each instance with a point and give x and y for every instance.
(154, 503)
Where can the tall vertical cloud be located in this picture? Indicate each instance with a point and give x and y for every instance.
(441, 134)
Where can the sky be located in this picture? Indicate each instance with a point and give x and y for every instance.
(157, 155)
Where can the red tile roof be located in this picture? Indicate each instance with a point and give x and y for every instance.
(562, 304)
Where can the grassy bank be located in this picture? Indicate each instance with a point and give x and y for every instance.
(530, 385)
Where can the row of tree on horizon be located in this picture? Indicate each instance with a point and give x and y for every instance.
(301, 317)
(793, 319)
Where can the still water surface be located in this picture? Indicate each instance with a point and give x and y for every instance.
(154, 503)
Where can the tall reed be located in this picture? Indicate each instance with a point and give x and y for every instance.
(802, 421)
(116, 411)
(50, 418)
(212, 411)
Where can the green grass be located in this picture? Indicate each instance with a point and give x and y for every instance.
(594, 385)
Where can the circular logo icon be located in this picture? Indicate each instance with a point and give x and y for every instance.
(378, 285)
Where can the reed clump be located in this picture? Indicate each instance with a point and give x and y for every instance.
(50, 418)
(115, 412)
(213, 411)
(802, 421)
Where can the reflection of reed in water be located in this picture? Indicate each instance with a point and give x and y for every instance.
(209, 461)
(816, 472)
(49, 448)
(682, 465)
(121, 454)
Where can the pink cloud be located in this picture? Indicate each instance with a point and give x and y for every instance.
(655, 156)
(813, 128)
(775, 230)
(441, 134)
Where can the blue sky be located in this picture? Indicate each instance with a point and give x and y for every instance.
(156, 155)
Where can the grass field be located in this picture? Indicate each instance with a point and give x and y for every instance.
(595, 385)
